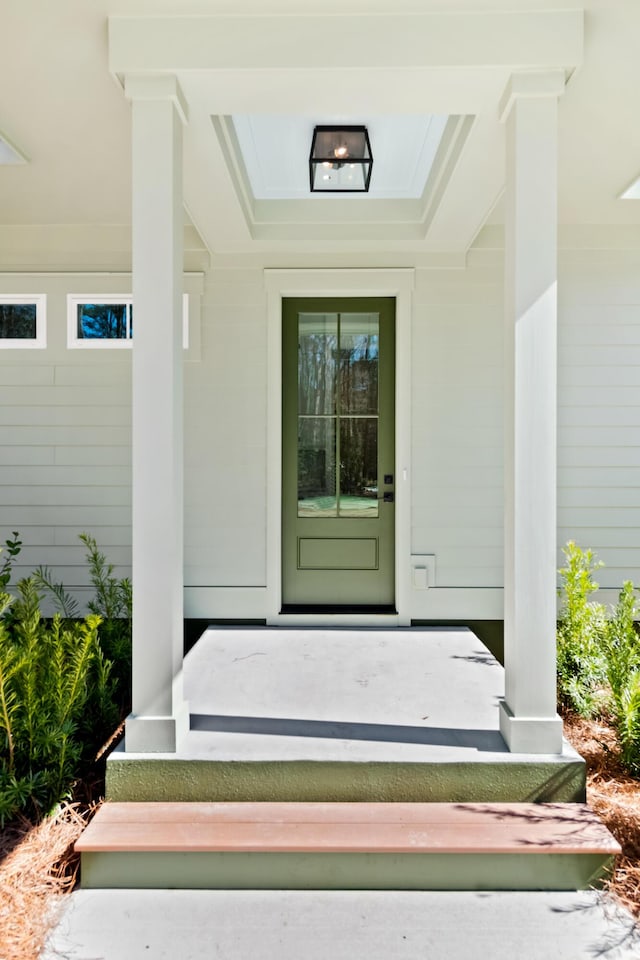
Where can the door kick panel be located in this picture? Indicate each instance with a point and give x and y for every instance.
(337, 553)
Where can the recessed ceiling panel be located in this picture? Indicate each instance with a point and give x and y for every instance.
(275, 153)
(8, 153)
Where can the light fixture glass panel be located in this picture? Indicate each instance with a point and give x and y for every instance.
(340, 159)
(349, 176)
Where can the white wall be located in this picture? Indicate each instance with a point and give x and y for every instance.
(65, 433)
(457, 437)
(65, 440)
(65, 436)
(599, 409)
(225, 451)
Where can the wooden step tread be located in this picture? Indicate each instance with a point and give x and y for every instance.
(476, 828)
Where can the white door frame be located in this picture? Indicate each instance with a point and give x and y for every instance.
(339, 283)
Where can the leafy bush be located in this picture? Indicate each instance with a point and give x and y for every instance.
(61, 693)
(12, 548)
(112, 602)
(622, 656)
(50, 672)
(599, 653)
(581, 665)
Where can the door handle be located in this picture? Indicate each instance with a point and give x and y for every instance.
(388, 496)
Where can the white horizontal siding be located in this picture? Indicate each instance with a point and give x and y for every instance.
(81, 414)
(65, 433)
(599, 409)
(95, 395)
(225, 440)
(86, 517)
(579, 411)
(85, 475)
(457, 427)
(23, 375)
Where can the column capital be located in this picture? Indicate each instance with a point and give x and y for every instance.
(530, 84)
(157, 86)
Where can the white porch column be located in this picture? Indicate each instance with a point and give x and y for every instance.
(159, 715)
(528, 718)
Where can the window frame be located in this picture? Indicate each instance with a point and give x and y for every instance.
(74, 342)
(39, 342)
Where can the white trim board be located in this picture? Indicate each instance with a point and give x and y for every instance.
(339, 283)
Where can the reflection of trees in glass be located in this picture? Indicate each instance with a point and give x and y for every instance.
(359, 457)
(316, 372)
(102, 321)
(358, 397)
(359, 373)
(317, 344)
(316, 458)
(18, 321)
(337, 374)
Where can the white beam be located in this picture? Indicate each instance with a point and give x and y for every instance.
(528, 717)
(159, 715)
(462, 38)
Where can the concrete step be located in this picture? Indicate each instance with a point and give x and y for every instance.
(402, 846)
(485, 777)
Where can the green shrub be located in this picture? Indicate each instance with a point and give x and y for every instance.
(12, 549)
(622, 657)
(64, 682)
(112, 602)
(55, 702)
(599, 653)
(581, 628)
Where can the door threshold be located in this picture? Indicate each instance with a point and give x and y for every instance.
(334, 609)
(296, 615)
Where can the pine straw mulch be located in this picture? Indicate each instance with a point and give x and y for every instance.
(615, 797)
(37, 867)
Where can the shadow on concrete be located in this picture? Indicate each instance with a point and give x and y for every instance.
(482, 657)
(483, 740)
(623, 931)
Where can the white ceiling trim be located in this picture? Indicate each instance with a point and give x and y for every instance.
(366, 210)
(455, 63)
(275, 152)
(522, 39)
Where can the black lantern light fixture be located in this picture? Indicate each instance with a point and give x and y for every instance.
(340, 160)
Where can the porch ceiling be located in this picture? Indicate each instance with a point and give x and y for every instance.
(73, 123)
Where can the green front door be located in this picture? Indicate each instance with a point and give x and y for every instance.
(338, 457)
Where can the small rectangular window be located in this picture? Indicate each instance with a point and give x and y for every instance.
(102, 321)
(22, 321)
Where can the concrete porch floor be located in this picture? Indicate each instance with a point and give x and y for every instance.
(343, 714)
(350, 925)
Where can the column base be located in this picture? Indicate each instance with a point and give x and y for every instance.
(530, 734)
(156, 734)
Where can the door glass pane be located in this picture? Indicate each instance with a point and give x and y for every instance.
(359, 467)
(317, 467)
(359, 343)
(317, 349)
